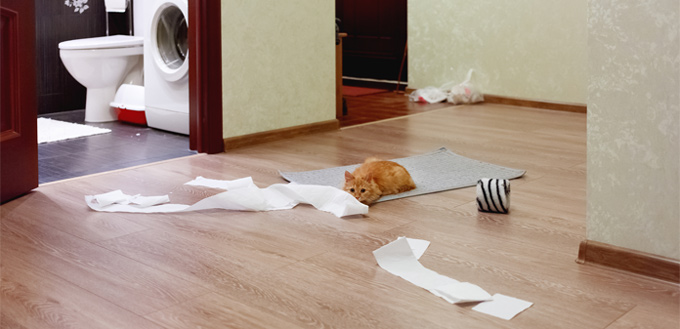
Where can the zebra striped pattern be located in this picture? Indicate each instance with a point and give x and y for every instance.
(493, 195)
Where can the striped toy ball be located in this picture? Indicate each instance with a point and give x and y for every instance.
(493, 195)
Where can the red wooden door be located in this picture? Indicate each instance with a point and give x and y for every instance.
(18, 110)
(376, 38)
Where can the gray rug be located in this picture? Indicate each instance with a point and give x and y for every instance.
(437, 171)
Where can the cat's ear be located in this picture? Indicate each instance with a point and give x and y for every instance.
(348, 176)
(369, 177)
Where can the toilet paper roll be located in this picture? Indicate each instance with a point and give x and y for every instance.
(116, 6)
(493, 195)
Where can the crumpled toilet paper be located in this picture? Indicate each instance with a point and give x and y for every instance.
(242, 194)
(400, 257)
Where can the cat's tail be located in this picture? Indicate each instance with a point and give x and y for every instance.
(372, 159)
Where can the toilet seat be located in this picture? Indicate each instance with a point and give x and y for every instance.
(108, 42)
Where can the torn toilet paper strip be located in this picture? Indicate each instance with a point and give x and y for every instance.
(242, 194)
(504, 307)
(418, 246)
(399, 258)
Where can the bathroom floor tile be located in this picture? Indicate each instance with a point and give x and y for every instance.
(127, 145)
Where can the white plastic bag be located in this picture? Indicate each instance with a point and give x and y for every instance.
(428, 95)
(465, 92)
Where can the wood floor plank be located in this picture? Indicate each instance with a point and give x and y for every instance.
(340, 296)
(129, 284)
(36, 207)
(367, 279)
(34, 298)
(7, 322)
(370, 108)
(218, 312)
(645, 317)
(257, 287)
(169, 253)
(492, 266)
(309, 269)
(288, 234)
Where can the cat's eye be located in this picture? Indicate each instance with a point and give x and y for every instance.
(363, 190)
(351, 190)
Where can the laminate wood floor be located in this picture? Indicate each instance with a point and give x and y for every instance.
(65, 266)
(381, 106)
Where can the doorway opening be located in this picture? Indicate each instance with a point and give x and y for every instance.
(130, 145)
(374, 50)
(373, 61)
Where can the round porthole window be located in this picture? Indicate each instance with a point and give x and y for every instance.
(169, 35)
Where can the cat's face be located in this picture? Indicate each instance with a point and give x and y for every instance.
(364, 190)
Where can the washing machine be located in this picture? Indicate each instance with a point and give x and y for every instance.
(166, 65)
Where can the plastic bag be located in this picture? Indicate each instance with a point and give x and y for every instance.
(465, 92)
(428, 95)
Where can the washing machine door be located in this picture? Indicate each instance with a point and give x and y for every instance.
(170, 46)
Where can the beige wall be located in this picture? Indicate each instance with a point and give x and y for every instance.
(278, 64)
(633, 124)
(621, 58)
(533, 49)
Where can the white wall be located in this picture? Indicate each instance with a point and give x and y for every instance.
(531, 49)
(278, 64)
(633, 124)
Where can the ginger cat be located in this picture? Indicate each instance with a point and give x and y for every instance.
(375, 178)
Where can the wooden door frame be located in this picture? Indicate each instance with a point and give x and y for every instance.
(19, 139)
(205, 76)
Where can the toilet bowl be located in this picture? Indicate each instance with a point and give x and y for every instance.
(102, 64)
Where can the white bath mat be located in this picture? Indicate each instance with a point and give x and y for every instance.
(54, 130)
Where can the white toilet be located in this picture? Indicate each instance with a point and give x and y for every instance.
(102, 64)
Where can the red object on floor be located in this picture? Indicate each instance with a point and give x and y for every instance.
(132, 116)
(360, 91)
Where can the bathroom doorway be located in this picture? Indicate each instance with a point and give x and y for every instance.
(60, 97)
